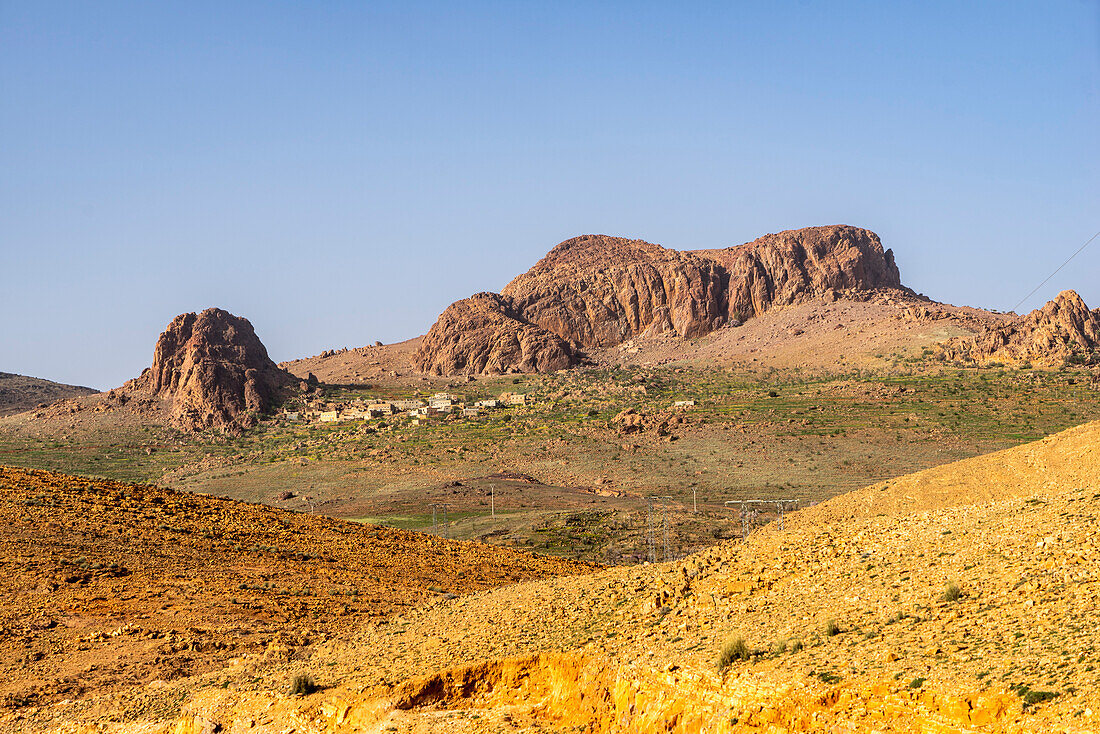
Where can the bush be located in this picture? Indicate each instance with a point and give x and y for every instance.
(916, 683)
(952, 592)
(302, 685)
(832, 629)
(735, 648)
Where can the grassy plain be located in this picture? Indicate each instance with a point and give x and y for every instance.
(564, 476)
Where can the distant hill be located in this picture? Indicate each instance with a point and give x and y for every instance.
(19, 392)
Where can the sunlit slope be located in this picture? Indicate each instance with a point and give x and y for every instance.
(105, 585)
(1060, 462)
(960, 599)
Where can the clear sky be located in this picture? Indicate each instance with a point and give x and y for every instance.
(339, 172)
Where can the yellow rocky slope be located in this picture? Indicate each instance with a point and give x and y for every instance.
(963, 598)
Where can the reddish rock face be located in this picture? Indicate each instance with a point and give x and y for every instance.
(601, 291)
(786, 268)
(598, 291)
(483, 334)
(215, 370)
(1061, 328)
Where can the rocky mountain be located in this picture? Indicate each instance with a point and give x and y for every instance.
(597, 291)
(1063, 329)
(484, 333)
(214, 370)
(19, 392)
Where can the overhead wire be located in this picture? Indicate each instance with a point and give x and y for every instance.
(1075, 254)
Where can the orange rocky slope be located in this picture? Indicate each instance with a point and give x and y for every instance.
(849, 617)
(107, 586)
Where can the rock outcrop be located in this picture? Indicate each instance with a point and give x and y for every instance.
(1064, 329)
(214, 370)
(484, 334)
(786, 268)
(597, 291)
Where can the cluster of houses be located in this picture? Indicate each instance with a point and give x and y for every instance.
(439, 404)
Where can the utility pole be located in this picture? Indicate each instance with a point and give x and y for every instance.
(749, 512)
(435, 525)
(660, 500)
(493, 499)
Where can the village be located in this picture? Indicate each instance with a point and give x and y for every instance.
(418, 410)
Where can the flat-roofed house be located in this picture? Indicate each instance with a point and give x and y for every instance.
(329, 416)
(442, 399)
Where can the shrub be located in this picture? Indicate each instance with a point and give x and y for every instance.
(797, 646)
(952, 592)
(916, 683)
(832, 629)
(302, 685)
(735, 648)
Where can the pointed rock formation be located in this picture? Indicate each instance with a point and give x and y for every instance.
(215, 371)
(1063, 329)
(597, 291)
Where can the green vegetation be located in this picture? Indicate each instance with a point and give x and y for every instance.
(766, 434)
(733, 649)
(302, 685)
(1032, 698)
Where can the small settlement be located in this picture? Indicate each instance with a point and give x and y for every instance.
(440, 404)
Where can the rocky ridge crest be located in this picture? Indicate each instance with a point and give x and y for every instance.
(597, 291)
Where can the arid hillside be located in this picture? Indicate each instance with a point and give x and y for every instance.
(108, 586)
(19, 392)
(959, 599)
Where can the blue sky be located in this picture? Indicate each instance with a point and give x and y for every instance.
(340, 172)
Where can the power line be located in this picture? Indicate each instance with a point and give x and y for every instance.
(1075, 254)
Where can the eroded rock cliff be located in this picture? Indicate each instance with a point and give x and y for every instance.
(485, 334)
(788, 267)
